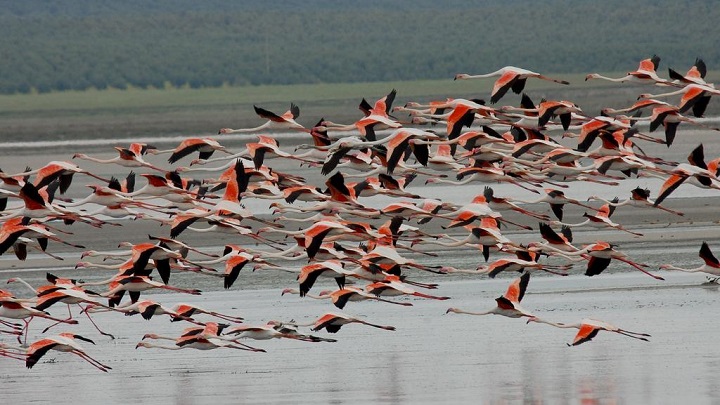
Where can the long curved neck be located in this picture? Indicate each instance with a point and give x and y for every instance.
(610, 79)
(243, 154)
(668, 94)
(96, 160)
(155, 346)
(100, 265)
(339, 127)
(556, 324)
(26, 284)
(694, 270)
(460, 311)
(209, 169)
(573, 225)
(481, 76)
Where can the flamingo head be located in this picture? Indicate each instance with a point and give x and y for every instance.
(224, 131)
(461, 76)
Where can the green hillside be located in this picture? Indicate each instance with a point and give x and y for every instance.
(50, 45)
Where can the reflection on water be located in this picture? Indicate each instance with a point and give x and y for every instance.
(431, 358)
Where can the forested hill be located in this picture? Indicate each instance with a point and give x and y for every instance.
(58, 45)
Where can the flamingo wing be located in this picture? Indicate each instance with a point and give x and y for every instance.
(516, 290)
(585, 334)
(707, 255)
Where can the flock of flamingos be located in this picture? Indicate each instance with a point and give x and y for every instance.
(455, 141)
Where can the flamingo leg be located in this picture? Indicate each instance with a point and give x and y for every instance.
(632, 336)
(60, 321)
(95, 325)
(92, 361)
(227, 317)
(637, 266)
(405, 304)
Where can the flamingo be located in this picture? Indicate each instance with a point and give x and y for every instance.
(64, 342)
(548, 109)
(589, 328)
(205, 146)
(695, 96)
(519, 265)
(64, 171)
(599, 255)
(127, 157)
(333, 322)
(375, 117)
(196, 341)
(508, 304)
(273, 330)
(66, 291)
(274, 121)
(645, 74)
(639, 197)
(331, 268)
(711, 265)
(557, 200)
(392, 286)
(696, 73)
(695, 173)
(146, 308)
(511, 77)
(601, 219)
(13, 309)
(341, 297)
(137, 284)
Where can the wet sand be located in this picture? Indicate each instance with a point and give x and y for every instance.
(431, 357)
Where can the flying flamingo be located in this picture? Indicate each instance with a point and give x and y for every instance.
(510, 78)
(205, 146)
(392, 286)
(589, 328)
(695, 96)
(333, 322)
(274, 121)
(695, 173)
(146, 308)
(341, 297)
(696, 73)
(515, 264)
(126, 158)
(272, 330)
(196, 341)
(65, 291)
(711, 265)
(63, 171)
(507, 304)
(188, 310)
(375, 117)
(12, 309)
(64, 342)
(557, 200)
(136, 284)
(639, 197)
(599, 255)
(601, 219)
(547, 110)
(645, 73)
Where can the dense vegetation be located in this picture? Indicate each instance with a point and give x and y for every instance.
(50, 45)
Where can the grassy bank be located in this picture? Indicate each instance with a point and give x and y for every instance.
(147, 112)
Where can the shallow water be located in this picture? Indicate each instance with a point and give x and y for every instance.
(430, 357)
